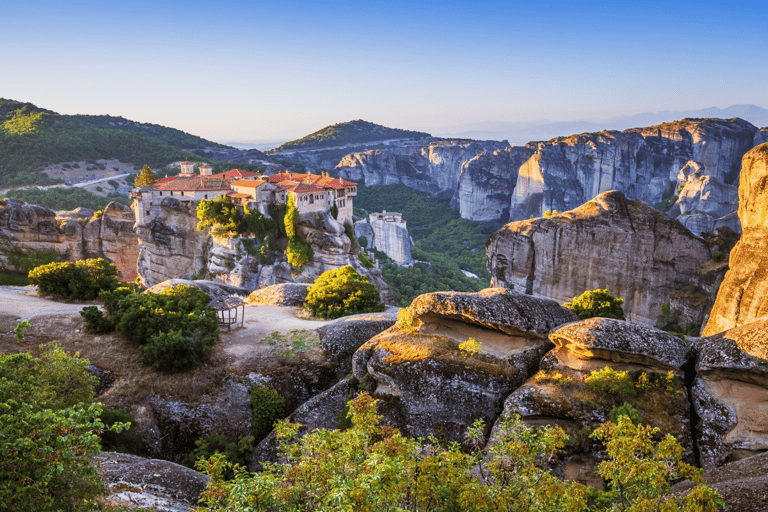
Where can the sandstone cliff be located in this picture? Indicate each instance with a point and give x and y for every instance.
(27, 229)
(742, 296)
(172, 247)
(627, 247)
(492, 181)
(388, 233)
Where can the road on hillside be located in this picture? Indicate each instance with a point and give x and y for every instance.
(64, 185)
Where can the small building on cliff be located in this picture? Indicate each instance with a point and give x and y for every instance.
(310, 192)
(388, 233)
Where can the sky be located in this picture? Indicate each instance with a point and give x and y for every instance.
(254, 70)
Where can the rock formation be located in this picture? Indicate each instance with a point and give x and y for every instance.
(388, 233)
(492, 181)
(172, 247)
(627, 247)
(29, 229)
(425, 379)
(286, 294)
(742, 296)
(560, 393)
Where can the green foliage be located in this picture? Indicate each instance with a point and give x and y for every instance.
(335, 211)
(13, 279)
(83, 279)
(235, 451)
(145, 178)
(126, 441)
(404, 319)
(174, 352)
(20, 329)
(553, 213)
(298, 252)
(367, 263)
(556, 378)
(470, 347)
(597, 303)
(342, 292)
(448, 243)
(31, 138)
(610, 381)
(260, 225)
(60, 198)
(267, 406)
(668, 198)
(625, 410)
(291, 218)
(24, 260)
(639, 471)
(175, 329)
(363, 241)
(350, 132)
(718, 256)
(95, 323)
(48, 431)
(223, 216)
(369, 468)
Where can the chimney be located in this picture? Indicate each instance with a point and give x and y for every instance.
(341, 180)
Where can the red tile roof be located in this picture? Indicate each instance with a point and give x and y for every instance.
(249, 183)
(316, 179)
(234, 173)
(193, 183)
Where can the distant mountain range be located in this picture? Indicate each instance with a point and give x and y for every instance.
(351, 132)
(518, 133)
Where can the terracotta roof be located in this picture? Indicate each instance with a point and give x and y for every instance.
(193, 183)
(316, 179)
(249, 183)
(165, 180)
(234, 173)
(302, 188)
(187, 162)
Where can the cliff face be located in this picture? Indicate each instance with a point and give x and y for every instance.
(388, 233)
(28, 228)
(627, 247)
(491, 181)
(172, 247)
(432, 168)
(741, 298)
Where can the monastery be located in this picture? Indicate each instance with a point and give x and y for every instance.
(310, 192)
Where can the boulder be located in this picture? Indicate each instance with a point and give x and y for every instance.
(730, 393)
(741, 297)
(214, 289)
(149, 483)
(285, 294)
(634, 251)
(341, 338)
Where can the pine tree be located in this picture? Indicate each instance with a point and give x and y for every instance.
(145, 178)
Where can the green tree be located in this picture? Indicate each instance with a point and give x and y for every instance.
(292, 217)
(145, 178)
(84, 279)
(48, 430)
(341, 292)
(600, 303)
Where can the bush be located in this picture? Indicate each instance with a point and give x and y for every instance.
(173, 352)
(127, 441)
(718, 257)
(625, 410)
(82, 280)
(597, 303)
(612, 382)
(298, 252)
(342, 292)
(236, 451)
(267, 406)
(365, 261)
(95, 323)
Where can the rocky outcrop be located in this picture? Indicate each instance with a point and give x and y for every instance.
(286, 294)
(488, 181)
(214, 289)
(743, 485)
(343, 337)
(428, 382)
(388, 234)
(28, 230)
(731, 393)
(172, 247)
(559, 394)
(135, 482)
(627, 247)
(703, 202)
(433, 167)
(741, 297)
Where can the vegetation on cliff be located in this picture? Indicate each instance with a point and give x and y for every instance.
(342, 292)
(374, 468)
(349, 133)
(594, 303)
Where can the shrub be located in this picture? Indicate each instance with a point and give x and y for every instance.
(718, 257)
(470, 347)
(597, 303)
(363, 241)
(80, 280)
(95, 323)
(127, 441)
(625, 410)
(298, 252)
(267, 406)
(405, 319)
(236, 451)
(173, 352)
(365, 261)
(612, 382)
(342, 292)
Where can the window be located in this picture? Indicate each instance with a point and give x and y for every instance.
(171, 192)
(206, 196)
(161, 192)
(311, 199)
(147, 212)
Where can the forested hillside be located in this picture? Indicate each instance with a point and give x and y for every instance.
(350, 132)
(33, 137)
(446, 242)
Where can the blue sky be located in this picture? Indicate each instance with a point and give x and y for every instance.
(244, 71)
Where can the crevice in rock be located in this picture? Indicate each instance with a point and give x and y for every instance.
(689, 371)
(531, 270)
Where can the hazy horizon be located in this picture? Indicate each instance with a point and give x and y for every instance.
(244, 71)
